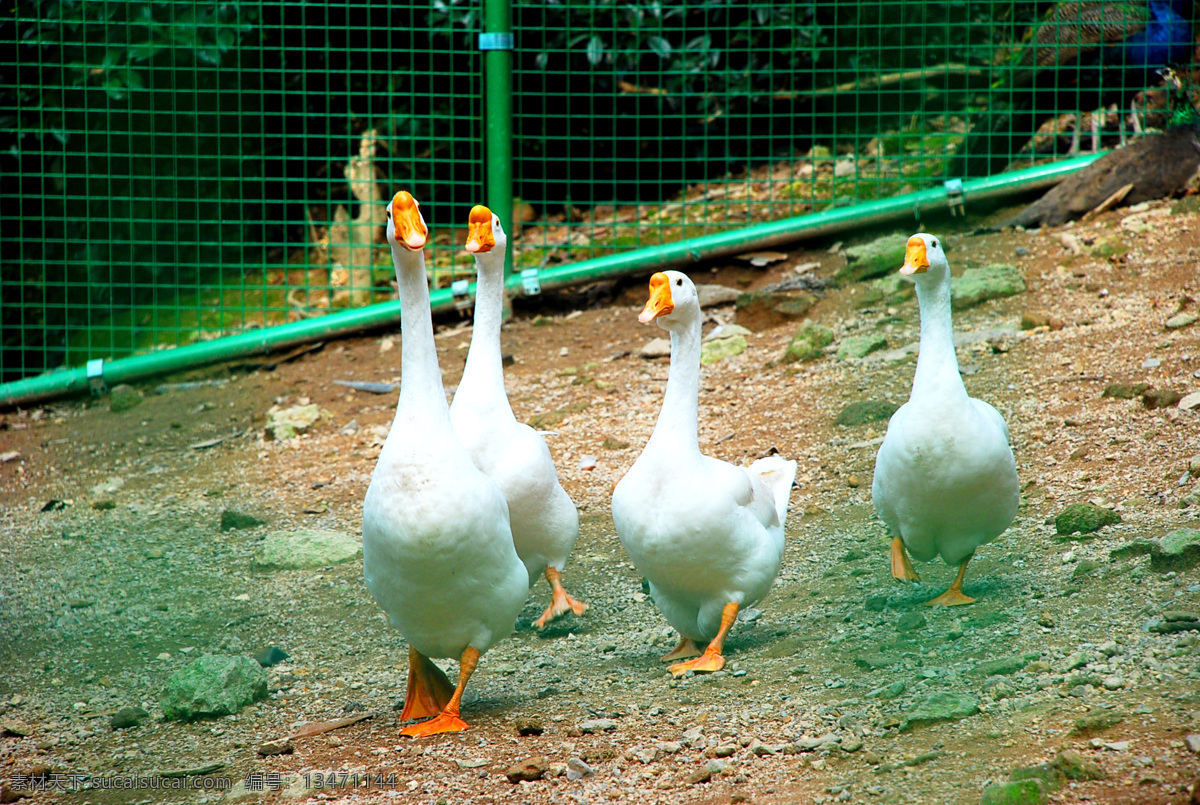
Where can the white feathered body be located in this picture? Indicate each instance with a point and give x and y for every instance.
(945, 477)
(545, 523)
(703, 532)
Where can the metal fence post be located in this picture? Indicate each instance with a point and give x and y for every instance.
(497, 44)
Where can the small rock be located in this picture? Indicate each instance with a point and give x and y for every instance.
(529, 769)
(758, 748)
(594, 725)
(761, 310)
(1190, 401)
(725, 750)
(647, 754)
(587, 462)
(1161, 398)
(527, 725)
(860, 346)
(10, 455)
(1084, 518)
(123, 398)
(1003, 666)
(711, 294)
(15, 727)
(128, 717)
(1076, 766)
(271, 655)
(1181, 320)
(232, 519)
(977, 285)
(1193, 743)
(1046, 619)
(577, 769)
(888, 692)
(305, 549)
(1016, 792)
(910, 621)
(1097, 721)
(614, 444)
(1125, 391)
(700, 775)
(281, 746)
(941, 706)
(808, 343)
(1114, 682)
(874, 259)
(863, 411)
(1031, 320)
(656, 348)
(213, 686)
(287, 423)
(722, 348)
(875, 661)
(851, 744)
(670, 747)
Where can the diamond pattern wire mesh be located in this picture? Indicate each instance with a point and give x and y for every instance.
(175, 171)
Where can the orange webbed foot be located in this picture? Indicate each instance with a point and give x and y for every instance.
(561, 603)
(706, 663)
(951, 598)
(902, 566)
(687, 648)
(442, 722)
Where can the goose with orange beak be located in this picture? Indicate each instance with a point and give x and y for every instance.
(706, 534)
(945, 478)
(545, 522)
(438, 552)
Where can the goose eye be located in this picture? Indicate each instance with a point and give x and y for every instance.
(933, 243)
(679, 283)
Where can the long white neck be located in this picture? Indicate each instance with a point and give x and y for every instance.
(483, 376)
(677, 424)
(937, 372)
(422, 396)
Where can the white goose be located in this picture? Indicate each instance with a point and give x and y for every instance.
(438, 554)
(545, 522)
(706, 534)
(945, 479)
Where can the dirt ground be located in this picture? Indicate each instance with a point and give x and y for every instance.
(100, 605)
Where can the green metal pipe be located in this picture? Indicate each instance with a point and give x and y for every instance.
(497, 110)
(645, 261)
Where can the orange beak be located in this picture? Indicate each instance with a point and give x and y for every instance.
(660, 303)
(915, 261)
(406, 219)
(480, 237)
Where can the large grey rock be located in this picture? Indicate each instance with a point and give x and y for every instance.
(1084, 518)
(213, 686)
(711, 294)
(941, 706)
(977, 285)
(297, 550)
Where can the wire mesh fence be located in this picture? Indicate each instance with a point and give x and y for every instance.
(176, 171)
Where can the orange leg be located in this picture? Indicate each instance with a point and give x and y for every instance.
(955, 595)
(902, 566)
(711, 659)
(561, 603)
(428, 688)
(448, 720)
(687, 648)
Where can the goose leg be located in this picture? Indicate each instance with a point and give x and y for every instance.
(448, 720)
(561, 603)
(902, 566)
(955, 595)
(711, 659)
(687, 648)
(428, 688)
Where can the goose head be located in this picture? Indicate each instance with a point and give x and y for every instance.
(484, 233)
(925, 261)
(673, 302)
(405, 226)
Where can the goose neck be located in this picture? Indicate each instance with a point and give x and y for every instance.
(421, 392)
(678, 420)
(937, 364)
(484, 372)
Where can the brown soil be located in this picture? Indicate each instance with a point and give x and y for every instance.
(101, 606)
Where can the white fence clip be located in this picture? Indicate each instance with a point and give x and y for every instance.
(530, 284)
(95, 376)
(954, 197)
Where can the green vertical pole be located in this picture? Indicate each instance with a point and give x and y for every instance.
(497, 43)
